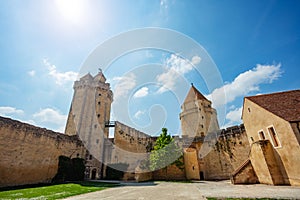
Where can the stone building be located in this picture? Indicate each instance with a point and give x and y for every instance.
(209, 153)
(89, 113)
(197, 117)
(266, 149)
(272, 123)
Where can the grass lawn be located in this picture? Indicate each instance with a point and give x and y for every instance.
(55, 191)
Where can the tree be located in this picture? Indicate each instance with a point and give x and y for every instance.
(165, 152)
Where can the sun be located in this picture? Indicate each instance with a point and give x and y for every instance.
(74, 11)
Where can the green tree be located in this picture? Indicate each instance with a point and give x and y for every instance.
(165, 152)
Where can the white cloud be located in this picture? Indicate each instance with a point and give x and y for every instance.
(31, 73)
(138, 114)
(196, 60)
(50, 115)
(60, 78)
(175, 67)
(245, 83)
(233, 117)
(124, 85)
(144, 91)
(9, 111)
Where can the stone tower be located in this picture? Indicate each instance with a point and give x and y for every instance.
(197, 116)
(90, 111)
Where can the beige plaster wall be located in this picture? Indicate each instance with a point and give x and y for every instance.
(287, 153)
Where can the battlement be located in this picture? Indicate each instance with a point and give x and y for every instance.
(36, 131)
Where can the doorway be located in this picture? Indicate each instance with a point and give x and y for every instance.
(94, 171)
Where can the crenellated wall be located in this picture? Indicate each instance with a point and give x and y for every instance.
(220, 153)
(129, 146)
(29, 154)
(132, 140)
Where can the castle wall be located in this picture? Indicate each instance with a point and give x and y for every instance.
(130, 146)
(264, 163)
(218, 157)
(29, 154)
(172, 172)
(228, 153)
(245, 174)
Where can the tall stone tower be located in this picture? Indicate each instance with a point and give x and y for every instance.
(197, 116)
(90, 111)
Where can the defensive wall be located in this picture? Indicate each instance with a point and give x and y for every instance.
(30, 155)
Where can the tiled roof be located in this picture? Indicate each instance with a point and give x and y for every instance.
(283, 104)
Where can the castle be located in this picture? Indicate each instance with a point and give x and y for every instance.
(30, 154)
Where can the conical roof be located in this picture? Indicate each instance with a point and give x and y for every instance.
(193, 95)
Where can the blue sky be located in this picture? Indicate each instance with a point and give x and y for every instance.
(254, 45)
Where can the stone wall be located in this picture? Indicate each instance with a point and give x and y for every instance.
(172, 172)
(29, 154)
(265, 164)
(245, 174)
(220, 153)
(129, 146)
(229, 152)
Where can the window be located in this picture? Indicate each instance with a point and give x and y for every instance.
(273, 136)
(261, 135)
(249, 110)
(98, 115)
(99, 103)
(91, 157)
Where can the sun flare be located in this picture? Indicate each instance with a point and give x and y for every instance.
(74, 11)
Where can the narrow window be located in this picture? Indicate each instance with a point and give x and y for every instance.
(261, 135)
(249, 110)
(99, 102)
(274, 137)
(91, 157)
(98, 115)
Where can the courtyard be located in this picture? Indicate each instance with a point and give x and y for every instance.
(194, 190)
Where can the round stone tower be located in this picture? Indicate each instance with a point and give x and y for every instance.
(197, 116)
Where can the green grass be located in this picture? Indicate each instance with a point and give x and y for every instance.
(55, 191)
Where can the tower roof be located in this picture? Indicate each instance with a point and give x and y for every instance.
(193, 95)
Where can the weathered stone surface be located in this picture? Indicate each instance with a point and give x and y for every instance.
(245, 174)
(29, 154)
